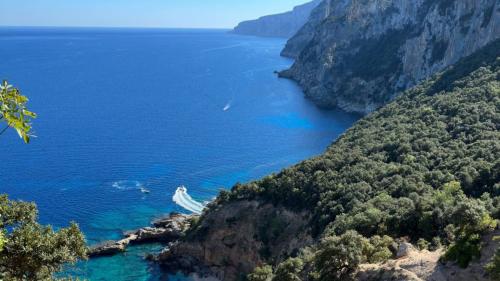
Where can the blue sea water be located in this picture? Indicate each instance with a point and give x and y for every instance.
(121, 109)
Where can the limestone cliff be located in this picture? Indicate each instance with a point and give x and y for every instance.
(246, 234)
(358, 54)
(280, 25)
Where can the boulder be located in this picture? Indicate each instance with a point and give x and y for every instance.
(404, 250)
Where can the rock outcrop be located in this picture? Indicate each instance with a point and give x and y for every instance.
(281, 25)
(424, 265)
(165, 230)
(233, 240)
(357, 55)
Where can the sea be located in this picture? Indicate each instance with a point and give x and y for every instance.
(121, 111)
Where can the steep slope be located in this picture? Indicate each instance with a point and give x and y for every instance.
(358, 54)
(425, 167)
(280, 25)
(306, 33)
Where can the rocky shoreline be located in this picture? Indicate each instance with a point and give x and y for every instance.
(164, 230)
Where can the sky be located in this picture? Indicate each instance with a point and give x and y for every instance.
(138, 13)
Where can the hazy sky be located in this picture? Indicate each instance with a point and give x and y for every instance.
(138, 13)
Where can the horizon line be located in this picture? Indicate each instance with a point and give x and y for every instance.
(112, 27)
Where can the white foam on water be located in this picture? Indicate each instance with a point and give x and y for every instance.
(183, 199)
(127, 185)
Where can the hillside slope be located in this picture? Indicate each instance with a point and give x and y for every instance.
(281, 25)
(425, 167)
(358, 55)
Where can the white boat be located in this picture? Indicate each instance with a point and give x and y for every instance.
(183, 199)
(227, 107)
(144, 190)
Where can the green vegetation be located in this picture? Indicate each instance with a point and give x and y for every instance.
(13, 111)
(367, 66)
(493, 268)
(31, 251)
(262, 273)
(426, 167)
(289, 270)
(28, 250)
(339, 257)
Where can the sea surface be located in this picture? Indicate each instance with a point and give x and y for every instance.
(125, 109)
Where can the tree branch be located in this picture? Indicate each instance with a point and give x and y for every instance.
(4, 129)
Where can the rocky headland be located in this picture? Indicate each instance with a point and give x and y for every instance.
(164, 230)
(280, 25)
(358, 55)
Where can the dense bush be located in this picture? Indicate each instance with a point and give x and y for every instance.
(31, 251)
(261, 273)
(339, 257)
(289, 270)
(426, 167)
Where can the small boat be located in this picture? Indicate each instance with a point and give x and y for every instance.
(182, 189)
(227, 107)
(144, 190)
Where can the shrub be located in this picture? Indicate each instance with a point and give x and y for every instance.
(338, 257)
(262, 273)
(289, 270)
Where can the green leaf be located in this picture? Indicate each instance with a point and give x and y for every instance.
(14, 112)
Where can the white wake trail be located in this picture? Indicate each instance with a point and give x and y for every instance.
(183, 199)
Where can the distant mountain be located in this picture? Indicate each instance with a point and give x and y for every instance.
(280, 25)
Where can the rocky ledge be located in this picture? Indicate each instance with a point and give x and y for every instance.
(166, 229)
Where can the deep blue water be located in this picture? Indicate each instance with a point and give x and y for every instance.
(121, 108)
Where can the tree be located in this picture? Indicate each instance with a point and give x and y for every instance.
(32, 251)
(289, 270)
(13, 111)
(262, 273)
(339, 256)
(28, 250)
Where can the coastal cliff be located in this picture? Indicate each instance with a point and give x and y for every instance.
(423, 169)
(358, 55)
(232, 240)
(281, 25)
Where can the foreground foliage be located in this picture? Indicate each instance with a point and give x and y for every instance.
(28, 250)
(13, 111)
(425, 167)
(31, 251)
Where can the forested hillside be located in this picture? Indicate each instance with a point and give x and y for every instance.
(425, 167)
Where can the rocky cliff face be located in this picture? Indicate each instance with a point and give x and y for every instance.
(280, 25)
(359, 54)
(247, 233)
(306, 33)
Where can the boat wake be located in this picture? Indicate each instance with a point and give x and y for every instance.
(128, 185)
(183, 199)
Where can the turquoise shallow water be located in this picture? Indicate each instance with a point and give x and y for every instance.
(121, 109)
